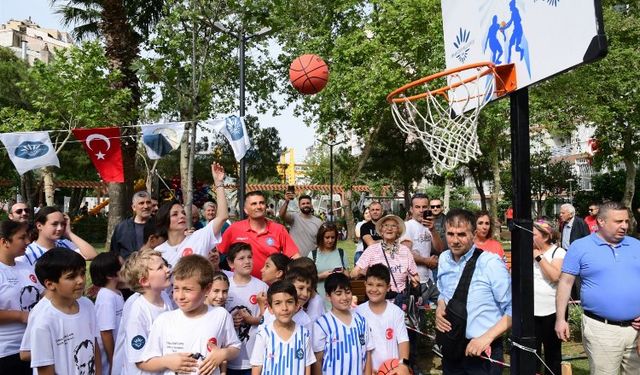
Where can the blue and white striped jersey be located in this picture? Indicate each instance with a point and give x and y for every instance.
(35, 251)
(280, 357)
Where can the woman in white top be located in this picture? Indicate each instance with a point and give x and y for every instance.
(19, 292)
(547, 268)
(173, 222)
(53, 229)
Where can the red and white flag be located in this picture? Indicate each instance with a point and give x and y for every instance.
(103, 147)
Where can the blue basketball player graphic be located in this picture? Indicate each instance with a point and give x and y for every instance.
(492, 41)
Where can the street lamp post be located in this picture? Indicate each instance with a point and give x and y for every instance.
(331, 145)
(570, 180)
(242, 38)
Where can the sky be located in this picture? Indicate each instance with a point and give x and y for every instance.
(293, 132)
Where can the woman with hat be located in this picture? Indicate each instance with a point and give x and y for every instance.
(390, 252)
(547, 267)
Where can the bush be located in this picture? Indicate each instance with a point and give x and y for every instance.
(92, 229)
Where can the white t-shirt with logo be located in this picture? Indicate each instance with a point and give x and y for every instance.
(174, 332)
(387, 331)
(66, 341)
(421, 238)
(199, 242)
(19, 291)
(544, 291)
(278, 356)
(109, 305)
(133, 333)
(245, 296)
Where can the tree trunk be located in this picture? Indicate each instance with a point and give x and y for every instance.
(630, 190)
(477, 181)
(75, 200)
(407, 197)
(495, 194)
(184, 171)
(47, 178)
(447, 194)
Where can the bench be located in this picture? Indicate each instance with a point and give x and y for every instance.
(358, 290)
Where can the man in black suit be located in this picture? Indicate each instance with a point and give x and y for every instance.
(571, 229)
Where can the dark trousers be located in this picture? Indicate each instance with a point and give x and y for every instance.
(12, 364)
(546, 336)
(238, 372)
(477, 365)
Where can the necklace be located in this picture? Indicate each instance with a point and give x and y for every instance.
(391, 249)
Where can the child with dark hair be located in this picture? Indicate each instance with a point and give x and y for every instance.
(243, 304)
(388, 331)
(314, 305)
(104, 271)
(282, 345)
(66, 315)
(302, 283)
(341, 337)
(152, 235)
(275, 267)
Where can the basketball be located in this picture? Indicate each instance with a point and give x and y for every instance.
(388, 365)
(308, 74)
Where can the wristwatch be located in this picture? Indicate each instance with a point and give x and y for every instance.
(404, 361)
(538, 258)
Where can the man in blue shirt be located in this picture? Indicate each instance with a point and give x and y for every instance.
(608, 262)
(488, 302)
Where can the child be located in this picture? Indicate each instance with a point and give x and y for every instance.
(218, 297)
(388, 331)
(302, 283)
(341, 338)
(152, 236)
(104, 271)
(282, 346)
(243, 305)
(274, 268)
(315, 305)
(63, 333)
(146, 273)
(180, 338)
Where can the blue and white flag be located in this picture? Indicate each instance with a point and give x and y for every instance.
(161, 139)
(29, 151)
(235, 131)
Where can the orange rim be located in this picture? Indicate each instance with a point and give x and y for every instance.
(505, 75)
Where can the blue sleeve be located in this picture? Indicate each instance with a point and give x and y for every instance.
(571, 263)
(500, 284)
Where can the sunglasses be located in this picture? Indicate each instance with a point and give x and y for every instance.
(436, 206)
(19, 211)
(592, 209)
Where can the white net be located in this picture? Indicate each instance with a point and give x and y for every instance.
(446, 123)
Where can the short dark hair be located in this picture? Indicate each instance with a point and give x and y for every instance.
(254, 193)
(281, 261)
(103, 266)
(235, 248)
(604, 208)
(457, 216)
(336, 281)
(8, 228)
(324, 228)
(151, 229)
(419, 196)
(282, 286)
(58, 261)
(163, 217)
(308, 266)
(305, 196)
(299, 274)
(379, 271)
(194, 265)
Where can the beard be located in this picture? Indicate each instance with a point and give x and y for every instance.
(306, 210)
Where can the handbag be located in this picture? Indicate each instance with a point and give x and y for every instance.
(453, 344)
(404, 299)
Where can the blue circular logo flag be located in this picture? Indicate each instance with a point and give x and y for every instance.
(31, 150)
(138, 342)
(234, 127)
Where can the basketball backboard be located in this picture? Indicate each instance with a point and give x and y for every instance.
(541, 37)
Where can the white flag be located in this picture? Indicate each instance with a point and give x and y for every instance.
(161, 139)
(29, 151)
(235, 131)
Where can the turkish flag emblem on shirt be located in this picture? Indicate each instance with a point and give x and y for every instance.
(103, 147)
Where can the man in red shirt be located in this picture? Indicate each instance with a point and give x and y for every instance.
(266, 237)
(591, 221)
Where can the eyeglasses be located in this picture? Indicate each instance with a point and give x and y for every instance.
(436, 205)
(389, 226)
(19, 211)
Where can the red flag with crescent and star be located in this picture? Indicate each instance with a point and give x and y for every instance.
(103, 147)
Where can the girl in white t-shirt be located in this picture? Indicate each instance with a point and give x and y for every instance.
(19, 292)
(54, 230)
(173, 221)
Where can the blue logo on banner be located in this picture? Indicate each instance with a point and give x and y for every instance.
(462, 45)
(31, 149)
(138, 342)
(234, 127)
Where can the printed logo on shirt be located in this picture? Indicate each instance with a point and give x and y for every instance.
(33, 278)
(187, 251)
(361, 336)
(211, 344)
(253, 299)
(29, 297)
(299, 353)
(84, 358)
(138, 342)
(270, 241)
(389, 333)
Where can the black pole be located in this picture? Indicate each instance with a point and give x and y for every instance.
(330, 180)
(523, 330)
(243, 166)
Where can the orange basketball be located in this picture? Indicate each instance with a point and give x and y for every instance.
(308, 74)
(388, 365)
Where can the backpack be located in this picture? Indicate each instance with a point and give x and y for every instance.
(314, 254)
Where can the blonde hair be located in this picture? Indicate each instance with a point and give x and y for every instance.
(137, 266)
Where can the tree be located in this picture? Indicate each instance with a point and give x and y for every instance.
(12, 71)
(549, 178)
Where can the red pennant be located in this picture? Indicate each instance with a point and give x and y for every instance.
(103, 147)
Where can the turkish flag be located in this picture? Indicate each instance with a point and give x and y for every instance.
(103, 147)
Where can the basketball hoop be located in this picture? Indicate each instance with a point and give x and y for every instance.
(442, 110)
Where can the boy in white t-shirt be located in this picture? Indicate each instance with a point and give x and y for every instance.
(104, 272)
(64, 337)
(196, 338)
(388, 330)
(147, 274)
(341, 337)
(282, 346)
(242, 303)
(311, 301)
(302, 283)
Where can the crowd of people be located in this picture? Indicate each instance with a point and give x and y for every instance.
(256, 297)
